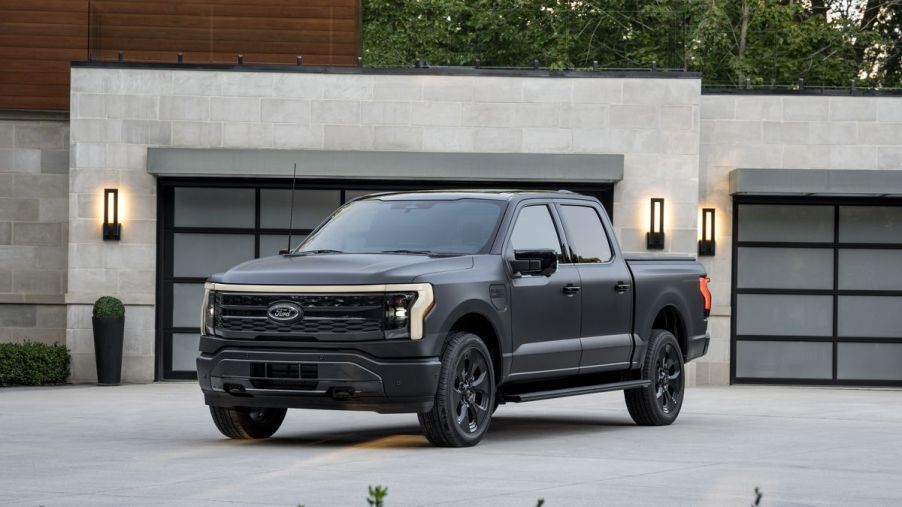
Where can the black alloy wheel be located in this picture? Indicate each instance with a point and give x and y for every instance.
(668, 379)
(470, 396)
(465, 397)
(659, 403)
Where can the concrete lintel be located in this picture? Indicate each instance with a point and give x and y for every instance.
(82, 298)
(826, 182)
(385, 165)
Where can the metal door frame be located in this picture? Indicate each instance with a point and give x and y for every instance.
(835, 292)
(166, 230)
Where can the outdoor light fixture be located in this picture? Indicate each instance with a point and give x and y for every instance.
(111, 226)
(655, 237)
(706, 244)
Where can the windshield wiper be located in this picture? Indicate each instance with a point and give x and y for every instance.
(316, 252)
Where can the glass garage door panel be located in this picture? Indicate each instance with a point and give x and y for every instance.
(870, 224)
(187, 300)
(869, 361)
(785, 268)
(214, 207)
(311, 207)
(789, 360)
(870, 269)
(784, 315)
(870, 316)
(773, 222)
(184, 351)
(201, 255)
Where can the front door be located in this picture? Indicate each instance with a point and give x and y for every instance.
(607, 292)
(545, 314)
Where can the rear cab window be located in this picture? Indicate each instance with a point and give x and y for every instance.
(586, 235)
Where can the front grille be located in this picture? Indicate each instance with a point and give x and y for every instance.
(301, 376)
(338, 314)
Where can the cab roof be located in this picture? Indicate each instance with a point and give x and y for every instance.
(492, 194)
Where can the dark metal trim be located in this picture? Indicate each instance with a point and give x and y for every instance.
(818, 382)
(820, 292)
(841, 246)
(823, 339)
(782, 338)
(807, 90)
(398, 71)
(734, 247)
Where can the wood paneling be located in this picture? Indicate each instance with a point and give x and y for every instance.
(38, 38)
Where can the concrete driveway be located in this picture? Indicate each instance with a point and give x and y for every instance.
(155, 444)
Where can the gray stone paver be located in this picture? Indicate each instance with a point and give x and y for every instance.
(155, 444)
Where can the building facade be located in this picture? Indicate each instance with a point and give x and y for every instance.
(808, 227)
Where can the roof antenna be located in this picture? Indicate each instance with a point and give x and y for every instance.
(294, 174)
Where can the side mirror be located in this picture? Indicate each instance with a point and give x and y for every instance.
(534, 262)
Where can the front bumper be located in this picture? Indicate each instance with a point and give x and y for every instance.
(310, 378)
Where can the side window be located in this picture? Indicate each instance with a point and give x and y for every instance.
(535, 230)
(586, 234)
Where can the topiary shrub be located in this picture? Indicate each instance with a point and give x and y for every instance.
(108, 307)
(31, 364)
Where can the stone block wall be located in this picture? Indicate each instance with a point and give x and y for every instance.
(34, 213)
(780, 132)
(118, 113)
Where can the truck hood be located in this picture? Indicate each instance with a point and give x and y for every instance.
(339, 269)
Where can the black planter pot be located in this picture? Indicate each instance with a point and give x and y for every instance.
(108, 337)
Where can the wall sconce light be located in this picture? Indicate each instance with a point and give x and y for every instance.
(111, 225)
(655, 237)
(706, 245)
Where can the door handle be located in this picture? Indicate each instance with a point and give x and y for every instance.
(621, 287)
(571, 289)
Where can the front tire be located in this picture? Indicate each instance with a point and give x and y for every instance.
(245, 423)
(659, 404)
(465, 397)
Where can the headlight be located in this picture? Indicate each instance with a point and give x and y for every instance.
(207, 318)
(396, 319)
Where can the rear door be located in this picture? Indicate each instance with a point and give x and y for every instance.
(607, 292)
(545, 315)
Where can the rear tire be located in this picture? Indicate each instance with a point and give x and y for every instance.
(465, 396)
(659, 404)
(245, 423)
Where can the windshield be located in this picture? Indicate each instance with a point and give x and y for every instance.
(460, 226)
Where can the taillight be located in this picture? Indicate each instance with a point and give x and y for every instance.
(703, 282)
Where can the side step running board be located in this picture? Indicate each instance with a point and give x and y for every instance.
(575, 391)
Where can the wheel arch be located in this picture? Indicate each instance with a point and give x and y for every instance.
(480, 325)
(669, 319)
(668, 310)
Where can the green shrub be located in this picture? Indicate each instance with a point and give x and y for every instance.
(376, 496)
(32, 364)
(107, 306)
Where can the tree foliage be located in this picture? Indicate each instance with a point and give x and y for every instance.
(825, 42)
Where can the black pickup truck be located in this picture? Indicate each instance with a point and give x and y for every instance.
(447, 304)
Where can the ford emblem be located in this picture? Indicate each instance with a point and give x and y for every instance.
(284, 312)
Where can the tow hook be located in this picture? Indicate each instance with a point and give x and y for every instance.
(342, 393)
(235, 389)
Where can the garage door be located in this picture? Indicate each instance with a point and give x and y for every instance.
(817, 295)
(207, 226)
